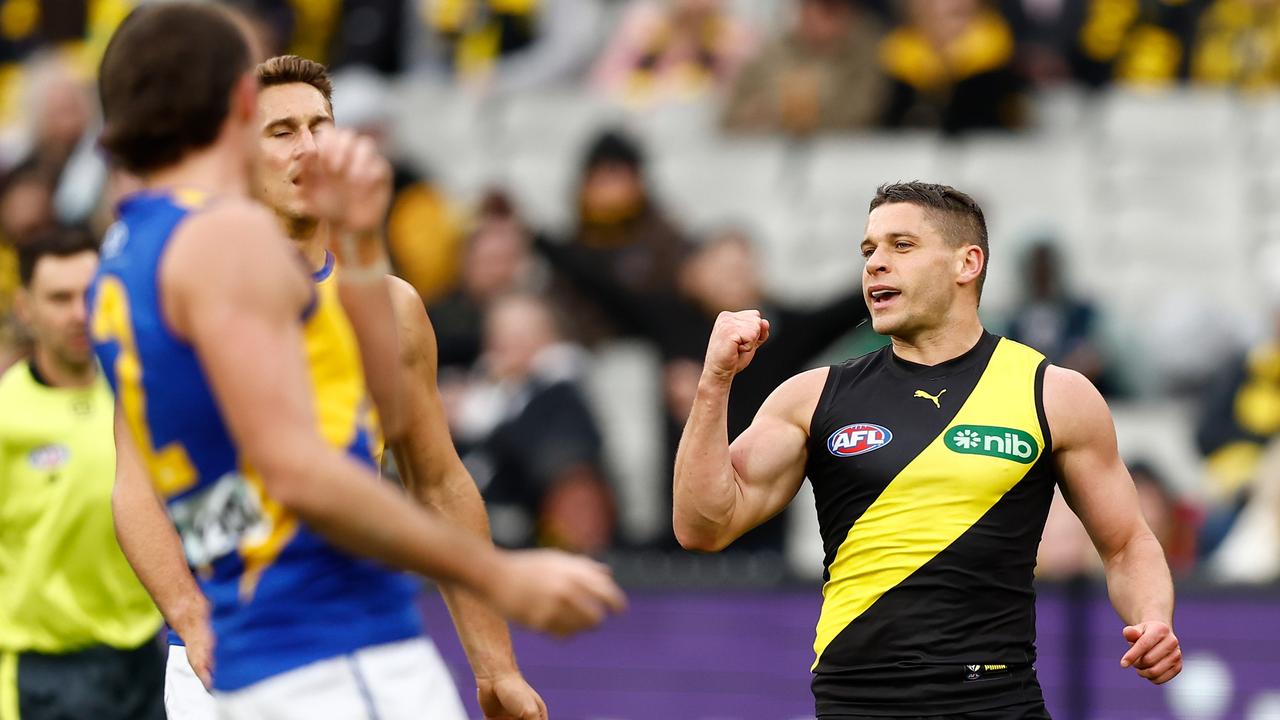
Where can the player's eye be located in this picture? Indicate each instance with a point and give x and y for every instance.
(281, 134)
(866, 252)
(902, 245)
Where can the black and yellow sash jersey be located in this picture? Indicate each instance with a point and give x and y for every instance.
(932, 486)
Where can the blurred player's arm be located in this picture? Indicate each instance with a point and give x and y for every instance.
(436, 477)
(153, 549)
(350, 187)
(722, 491)
(365, 300)
(234, 291)
(1097, 486)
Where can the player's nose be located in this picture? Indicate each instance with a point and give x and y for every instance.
(877, 262)
(306, 144)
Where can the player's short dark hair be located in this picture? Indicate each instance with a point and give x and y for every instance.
(166, 81)
(289, 69)
(63, 241)
(957, 216)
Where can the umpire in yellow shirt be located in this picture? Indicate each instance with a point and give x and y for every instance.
(77, 630)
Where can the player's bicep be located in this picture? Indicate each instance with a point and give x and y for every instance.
(769, 457)
(1094, 479)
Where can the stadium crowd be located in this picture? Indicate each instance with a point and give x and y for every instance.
(560, 340)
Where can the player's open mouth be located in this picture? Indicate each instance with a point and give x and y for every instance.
(882, 296)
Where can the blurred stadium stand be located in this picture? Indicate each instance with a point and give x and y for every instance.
(1160, 200)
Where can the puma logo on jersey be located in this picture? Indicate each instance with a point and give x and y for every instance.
(934, 398)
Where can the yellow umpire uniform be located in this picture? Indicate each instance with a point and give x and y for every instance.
(77, 629)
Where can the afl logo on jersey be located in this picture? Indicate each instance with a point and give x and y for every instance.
(857, 439)
(49, 458)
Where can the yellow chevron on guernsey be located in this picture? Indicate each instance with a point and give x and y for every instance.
(925, 509)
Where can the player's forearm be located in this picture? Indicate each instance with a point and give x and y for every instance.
(153, 549)
(706, 490)
(483, 633)
(368, 305)
(344, 502)
(1138, 581)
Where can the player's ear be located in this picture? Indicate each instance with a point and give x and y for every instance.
(971, 262)
(244, 98)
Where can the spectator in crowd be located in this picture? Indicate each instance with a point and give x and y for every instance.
(59, 112)
(26, 203)
(1066, 550)
(1239, 416)
(951, 65)
(1053, 321)
(526, 434)
(672, 51)
(1237, 44)
(1250, 551)
(492, 46)
(74, 619)
(497, 261)
(26, 210)
(1175, 522)
(724, 276)
(819, 76)
(619, 270)
(371, 33)
(1137, 42)
(424, 234)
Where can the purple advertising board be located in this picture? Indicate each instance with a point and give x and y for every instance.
(745, 655)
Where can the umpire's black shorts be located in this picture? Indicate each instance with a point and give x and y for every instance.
(99, 683)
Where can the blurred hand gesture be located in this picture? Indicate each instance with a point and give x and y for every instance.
(555, 592)
(509, 697)
(348, 184)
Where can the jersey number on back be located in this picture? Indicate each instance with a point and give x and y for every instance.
(170, 468)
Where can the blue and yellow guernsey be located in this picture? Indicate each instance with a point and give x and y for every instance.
(281, 596)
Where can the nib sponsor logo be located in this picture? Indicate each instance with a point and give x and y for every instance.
(992, 441)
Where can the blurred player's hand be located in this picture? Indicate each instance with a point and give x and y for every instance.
(199, 641)
(734, 341)
(509, 697)
(555, 592)
(1154, 652)
(348, 183)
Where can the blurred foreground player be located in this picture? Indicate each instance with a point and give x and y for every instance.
(262, 451)
(933, 462)
(294, 110)
(77, 630)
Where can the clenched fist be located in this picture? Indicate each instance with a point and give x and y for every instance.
(734, 341)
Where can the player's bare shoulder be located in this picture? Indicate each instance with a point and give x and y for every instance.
(1074, 409)
(417, 336)
(221, 235)
(796, 399)
(234, 248)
